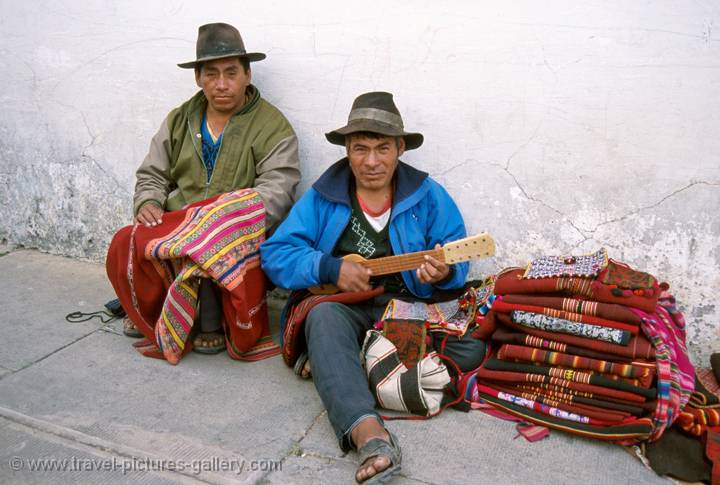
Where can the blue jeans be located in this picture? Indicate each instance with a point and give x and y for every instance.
(334, 333)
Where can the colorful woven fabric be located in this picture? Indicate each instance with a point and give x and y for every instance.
(293, 317)
(587, 377)
(529, 354)
(608, 311)
(485, 375)
(502, 306)
(623, 276)
(568, 405)
(453, 317)
(635, 430)
(540, 407)
(220, 240)
(552, 324)
(579, 397)
(155, 272)
(675, 374)
(696, 421)
(504, 334)
(511, 282)
(639, 346)
(584, 266)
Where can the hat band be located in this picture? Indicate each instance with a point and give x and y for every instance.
(376, 115)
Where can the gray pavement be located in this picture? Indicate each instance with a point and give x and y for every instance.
(79, 405)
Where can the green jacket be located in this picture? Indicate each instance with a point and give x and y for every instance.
(259, 150)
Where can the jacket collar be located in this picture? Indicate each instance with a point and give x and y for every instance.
(334, 184)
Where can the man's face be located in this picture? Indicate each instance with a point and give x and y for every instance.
(373, 161)
(224, 82)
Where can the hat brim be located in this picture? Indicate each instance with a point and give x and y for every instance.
(337, 137)
(250, 56)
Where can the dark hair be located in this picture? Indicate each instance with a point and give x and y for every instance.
(244, 62)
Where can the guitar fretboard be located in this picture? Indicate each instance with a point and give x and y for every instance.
(402, 262)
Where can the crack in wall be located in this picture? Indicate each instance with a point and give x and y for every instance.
(656, 204)
(636, 211)
(586, 234)
(526, 194)
(85, 156)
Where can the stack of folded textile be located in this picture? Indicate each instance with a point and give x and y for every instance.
(587, 345)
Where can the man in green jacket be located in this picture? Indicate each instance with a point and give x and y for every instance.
(224, 138)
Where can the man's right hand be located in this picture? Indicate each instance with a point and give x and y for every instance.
(354, 277)
(150, 214)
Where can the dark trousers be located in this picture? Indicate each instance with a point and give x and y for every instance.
(210, 306)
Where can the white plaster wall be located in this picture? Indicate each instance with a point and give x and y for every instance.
(558, 126)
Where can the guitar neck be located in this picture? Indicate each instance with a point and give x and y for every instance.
(402, 262)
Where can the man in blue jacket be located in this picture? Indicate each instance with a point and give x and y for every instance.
(372, 204)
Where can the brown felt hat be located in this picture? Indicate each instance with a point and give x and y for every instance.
(217, 41)
(375, 112)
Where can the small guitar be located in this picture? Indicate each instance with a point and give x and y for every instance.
(474, 247)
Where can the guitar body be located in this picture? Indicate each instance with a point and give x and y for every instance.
(473, 247)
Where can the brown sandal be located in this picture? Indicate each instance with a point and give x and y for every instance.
(377, 447)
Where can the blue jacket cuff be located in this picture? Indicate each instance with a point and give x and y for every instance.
(329, 269)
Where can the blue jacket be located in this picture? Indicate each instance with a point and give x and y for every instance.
(299, 253)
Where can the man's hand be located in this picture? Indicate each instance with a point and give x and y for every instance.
(432, 270)
(353, 277)
(150, 214)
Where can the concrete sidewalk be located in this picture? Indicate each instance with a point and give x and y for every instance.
(81, 395)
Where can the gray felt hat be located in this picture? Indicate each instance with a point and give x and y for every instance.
(375, 112)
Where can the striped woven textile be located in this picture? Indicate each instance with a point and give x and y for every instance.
(586, 377)
(485, 374)
(217, 239)
(530, 354)
(503, 334)
(503, 306)
(676, 375)
(609, 311)
(579, 397)
(418, 390)
(635, 430)
(639, 346)
(221, 241)
(565, 404)
(292, 320)
(696, 421)
(541, 407)
(511, 282)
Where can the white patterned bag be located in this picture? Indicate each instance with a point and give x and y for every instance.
(418, 390)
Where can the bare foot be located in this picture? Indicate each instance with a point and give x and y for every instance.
(211, 340)
(130, 330)
(306, 372)
(366, 430)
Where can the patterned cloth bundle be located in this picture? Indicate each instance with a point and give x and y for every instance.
(587, 345)
(703, 409)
